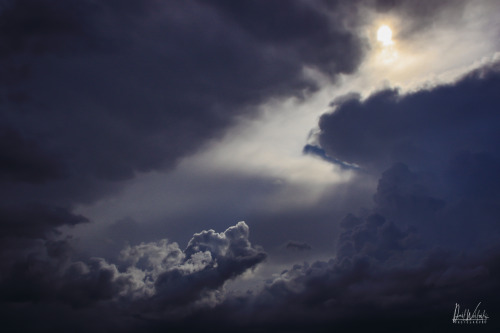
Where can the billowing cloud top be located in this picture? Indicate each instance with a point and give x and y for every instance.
(154, 279)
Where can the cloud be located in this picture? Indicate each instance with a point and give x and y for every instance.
(39, 27)
(154, 279)
(23, 160)
(300, 24)
(94, 93)
(137, 88)
(387, 295)
(382, 273)
(319, 152)
(424, 14)
(437, 149)
(430, 239)
(297, 246)
(211, 259)
(49, 275)
(35, 220)
(422, 129)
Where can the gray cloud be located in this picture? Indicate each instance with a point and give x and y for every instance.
(94, 93)
(422, 129)
(35, 220)
(297, 246)
(438, 151)
(430, 239)
(155, 87)
(383, 274)
(155, 278)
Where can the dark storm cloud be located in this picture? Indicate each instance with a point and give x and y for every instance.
(298, 28)
(23, 160)
(383, 278)
(319, 152)
(113, 89)
(94, 92)
(35, 220)
(389, 272)
(297, 246)
(45, 273)
(39, 27)
(423, 129)
(153, 279)
(382, 281)
(439, 151)
(430, 240)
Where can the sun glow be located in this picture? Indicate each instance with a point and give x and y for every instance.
(387, 52)
(384, 35)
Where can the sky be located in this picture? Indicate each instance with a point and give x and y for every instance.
(253, 166)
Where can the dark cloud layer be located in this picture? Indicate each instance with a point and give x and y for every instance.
(152, 280)
(439, 149)
(416, 129)
(93, 92)
(381, 280)
(35, 220)
(113, 88)
(430, 240)
(297, 246)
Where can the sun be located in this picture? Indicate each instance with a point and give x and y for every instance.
(388, 53)
(384, 35)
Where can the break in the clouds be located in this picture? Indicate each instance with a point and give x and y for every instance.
(111, 88)
(98, 95)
